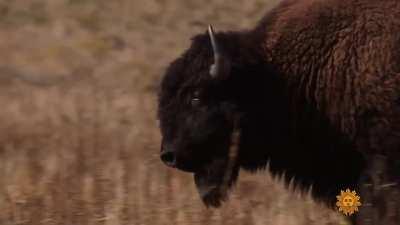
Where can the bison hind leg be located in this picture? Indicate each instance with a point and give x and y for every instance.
(380, 192)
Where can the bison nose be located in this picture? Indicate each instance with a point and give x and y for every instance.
(168, 157)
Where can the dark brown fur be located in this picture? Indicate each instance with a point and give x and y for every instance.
(342, 57)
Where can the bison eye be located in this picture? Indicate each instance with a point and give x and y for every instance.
(195, 101)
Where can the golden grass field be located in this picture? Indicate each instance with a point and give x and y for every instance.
(79, 140)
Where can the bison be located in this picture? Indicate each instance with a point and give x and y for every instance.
(312, 93)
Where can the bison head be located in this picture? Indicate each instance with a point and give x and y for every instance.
(198, 117)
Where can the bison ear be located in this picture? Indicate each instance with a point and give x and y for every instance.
(218, 68)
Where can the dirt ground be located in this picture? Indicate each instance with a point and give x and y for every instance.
(79, 140)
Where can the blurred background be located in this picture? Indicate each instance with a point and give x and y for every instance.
(79, 140)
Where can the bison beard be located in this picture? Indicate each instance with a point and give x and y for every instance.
(214, 181)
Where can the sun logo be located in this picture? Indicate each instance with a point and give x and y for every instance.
(348, 202)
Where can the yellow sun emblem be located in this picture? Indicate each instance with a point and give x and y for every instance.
(348, 202)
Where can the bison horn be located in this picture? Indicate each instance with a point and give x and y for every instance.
(215, 68)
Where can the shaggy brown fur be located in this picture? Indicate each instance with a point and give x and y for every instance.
(342, 57)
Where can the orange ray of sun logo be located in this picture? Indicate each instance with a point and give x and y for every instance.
(348, 202)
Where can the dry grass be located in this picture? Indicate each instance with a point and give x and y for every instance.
(79, 140)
